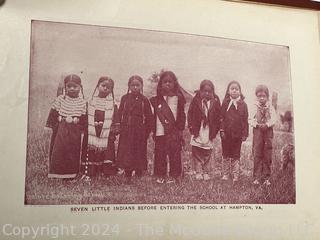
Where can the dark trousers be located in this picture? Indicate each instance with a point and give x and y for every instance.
(262, 152)
(201, 159)
(231, 147)
(164, 150)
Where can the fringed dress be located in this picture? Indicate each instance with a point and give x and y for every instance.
(67, 119)
(99, 141)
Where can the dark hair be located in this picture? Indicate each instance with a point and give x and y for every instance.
(227, 95)
(207, 83)
(176, 88)
(135, 77)
(262, 88)
(102, 79)
(75, 79)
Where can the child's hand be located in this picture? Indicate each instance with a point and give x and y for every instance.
(47, 129)
(115, 129)
(263, 126)
(244, 138)
(222, 135)
(112, 137)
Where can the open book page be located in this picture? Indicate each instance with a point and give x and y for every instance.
(158, 119)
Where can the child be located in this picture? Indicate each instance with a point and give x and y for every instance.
(234, 129)
(67, 119)
(169, 123)
(204, 124)
(262, 121)
(135, 123)
(98, 144)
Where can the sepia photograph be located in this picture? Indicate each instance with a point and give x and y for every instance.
(136, 116)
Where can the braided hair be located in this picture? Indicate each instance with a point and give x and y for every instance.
(75, 79)
(132, 78)
(102, 79)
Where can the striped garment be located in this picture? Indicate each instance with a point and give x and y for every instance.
(69, 107)
(102, 104)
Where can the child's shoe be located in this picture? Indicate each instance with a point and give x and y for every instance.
(160, 180)
(206, 177)
(235, 179)
(225, 178)
(267, 182)
(120, 171)
(256, 182)
(170, 180)
(199, 176)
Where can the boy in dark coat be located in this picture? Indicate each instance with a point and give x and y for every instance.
(169, 123)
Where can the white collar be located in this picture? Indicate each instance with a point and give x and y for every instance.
(234, 102)
(265, 106)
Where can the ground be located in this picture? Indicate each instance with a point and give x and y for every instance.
(113, 190)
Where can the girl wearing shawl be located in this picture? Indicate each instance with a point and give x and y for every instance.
(98, 145)
(203, 124)
(67, 119)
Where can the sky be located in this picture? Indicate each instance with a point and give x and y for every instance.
(93, 51)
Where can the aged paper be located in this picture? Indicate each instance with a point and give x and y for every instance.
(291, 34)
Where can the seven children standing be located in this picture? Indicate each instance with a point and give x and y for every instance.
(101, 122)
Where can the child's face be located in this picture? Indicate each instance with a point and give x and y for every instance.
(73, 89)
(234, 91)
(167, 85)
(105, 88)
(135, 86)
(262, 97)
(206, 92)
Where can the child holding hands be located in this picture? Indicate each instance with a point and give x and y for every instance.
(262, 120)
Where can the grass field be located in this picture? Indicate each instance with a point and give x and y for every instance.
(41, 190)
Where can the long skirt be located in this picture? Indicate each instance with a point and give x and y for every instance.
(65, 153)
(132, 150)
(95, 162)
